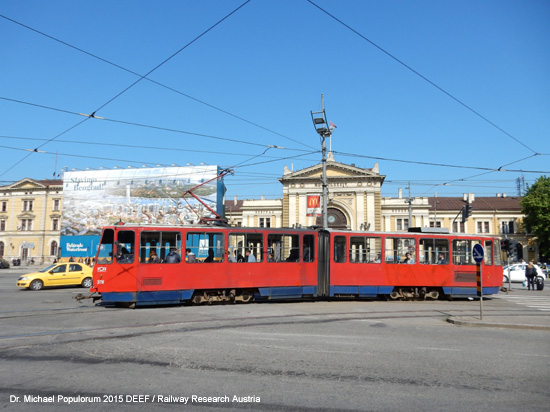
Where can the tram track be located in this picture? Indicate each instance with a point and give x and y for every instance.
(125, 331)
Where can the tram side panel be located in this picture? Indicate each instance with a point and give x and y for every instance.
(115, 268)
(280, 265)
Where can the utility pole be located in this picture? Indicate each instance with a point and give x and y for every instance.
(410, 200)
(323, 129)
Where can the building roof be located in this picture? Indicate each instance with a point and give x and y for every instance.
(25, 182)
(510, 203)
(233, 206)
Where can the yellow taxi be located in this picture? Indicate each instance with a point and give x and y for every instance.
(59, 274)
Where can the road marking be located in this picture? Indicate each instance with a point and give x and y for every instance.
(443, 349)
(308, 349)
(541, 303)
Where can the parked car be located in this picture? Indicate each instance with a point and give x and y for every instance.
(59, 274)
(517, 272)
(545, 269)
(4, 264)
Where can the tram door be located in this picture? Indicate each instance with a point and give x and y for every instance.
(323, 270)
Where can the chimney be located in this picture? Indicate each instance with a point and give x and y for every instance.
(400, 193)
(235, 200)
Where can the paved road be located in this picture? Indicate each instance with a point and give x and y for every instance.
(309, 356)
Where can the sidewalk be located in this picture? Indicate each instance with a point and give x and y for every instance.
(538, 321)
(517, 322)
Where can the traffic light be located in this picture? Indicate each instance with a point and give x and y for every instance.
(466, 212)
(505, 245)
(513, 250)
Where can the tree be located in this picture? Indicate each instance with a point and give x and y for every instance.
(536, 208)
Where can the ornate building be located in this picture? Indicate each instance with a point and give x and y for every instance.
(355, 203)
(30, 216)
(353, 200)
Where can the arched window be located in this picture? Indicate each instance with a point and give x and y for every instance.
(53, 248)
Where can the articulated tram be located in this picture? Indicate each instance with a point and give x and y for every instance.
(140, 265)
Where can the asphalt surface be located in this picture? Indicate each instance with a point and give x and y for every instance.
(488, 320)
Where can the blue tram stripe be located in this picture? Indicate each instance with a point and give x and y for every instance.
(469, 291)
(361, 291)
(288, 292)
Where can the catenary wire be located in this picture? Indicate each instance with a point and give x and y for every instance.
(153, 81)
(148, 162)
(130, 86)
(138, 125)
(489, 169)
(422, 76)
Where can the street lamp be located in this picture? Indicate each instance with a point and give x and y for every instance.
(323, 129)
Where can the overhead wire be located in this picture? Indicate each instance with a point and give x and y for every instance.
(422, 76)
(488, 169)
(92, 115)
(153, 81)
(140, 125)
(148, 162)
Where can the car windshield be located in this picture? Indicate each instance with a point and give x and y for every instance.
(48, 268)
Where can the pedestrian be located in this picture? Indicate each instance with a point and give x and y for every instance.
(530, 274)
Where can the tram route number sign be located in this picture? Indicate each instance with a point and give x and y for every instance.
(477, 253)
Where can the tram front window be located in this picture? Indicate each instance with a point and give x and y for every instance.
(106, 247)
(125, 246)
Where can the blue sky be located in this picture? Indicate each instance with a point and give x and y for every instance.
(251, 81)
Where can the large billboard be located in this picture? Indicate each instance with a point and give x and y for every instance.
(93, 199)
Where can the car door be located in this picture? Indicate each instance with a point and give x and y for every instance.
(74, 275)
(56, 276)
(518, 273)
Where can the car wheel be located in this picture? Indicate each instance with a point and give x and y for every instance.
(87, 283)
(505, 280)
(36, 284)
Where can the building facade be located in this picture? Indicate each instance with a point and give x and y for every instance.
(355, 203)
(30, 218)
(30, 211)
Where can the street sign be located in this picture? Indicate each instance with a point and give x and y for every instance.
(477, 253)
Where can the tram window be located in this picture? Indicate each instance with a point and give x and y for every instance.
(497, 254)
(339, 249)
(308, 248)
(283, 248)
(462, 251)
(364, 249)
(156, 245)
(488, 255)
(106, 247)
(208, 247)
(433, 251)
(239, 243)
(397, 249)
(125, 246)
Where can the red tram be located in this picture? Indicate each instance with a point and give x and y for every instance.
(144, 265)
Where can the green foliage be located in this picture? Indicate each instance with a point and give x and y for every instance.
(536, 208)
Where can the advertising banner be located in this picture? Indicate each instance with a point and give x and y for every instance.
(93, 199)
(314, 205)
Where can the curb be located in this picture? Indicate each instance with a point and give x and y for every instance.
(481, 324)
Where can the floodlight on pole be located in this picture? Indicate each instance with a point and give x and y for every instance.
(322, 127)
